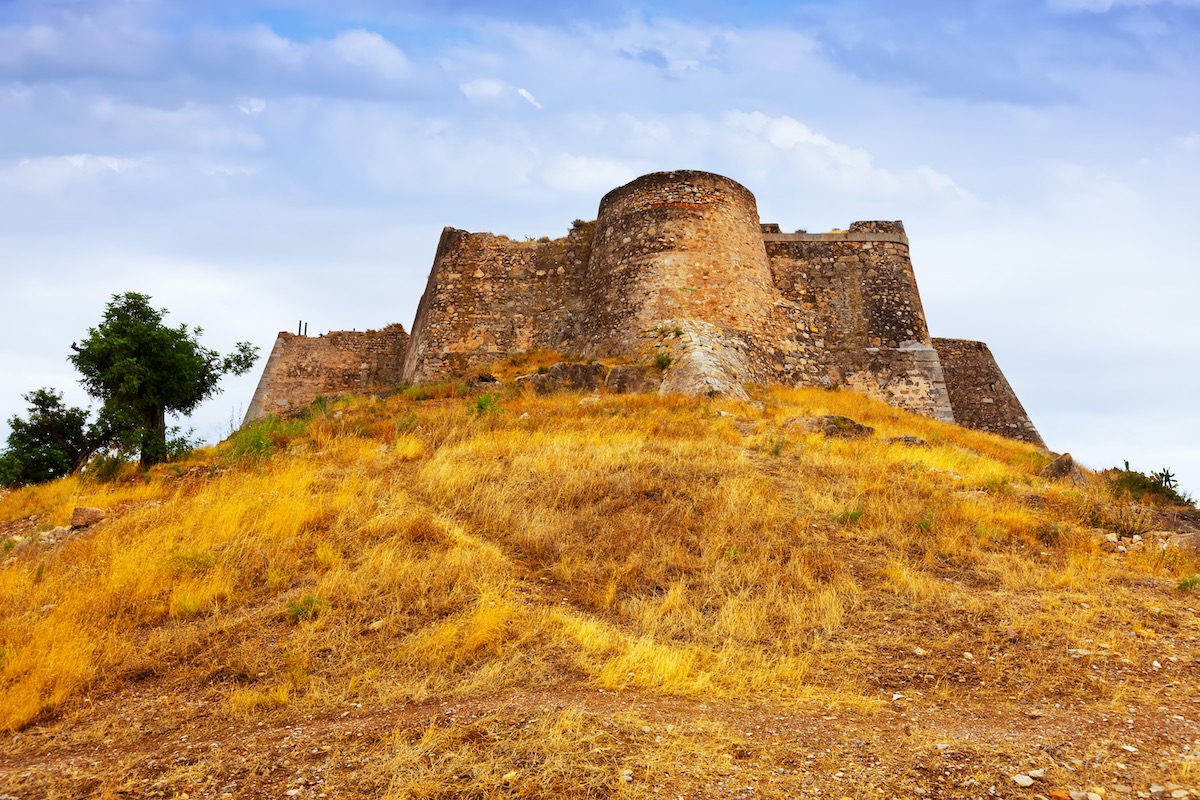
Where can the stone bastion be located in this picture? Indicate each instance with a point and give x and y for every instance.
(676, 263)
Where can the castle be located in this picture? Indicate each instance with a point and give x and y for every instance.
(676, 266)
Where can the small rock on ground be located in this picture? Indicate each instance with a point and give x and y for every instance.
(84, 516)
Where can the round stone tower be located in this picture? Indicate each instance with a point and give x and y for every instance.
(676, 246)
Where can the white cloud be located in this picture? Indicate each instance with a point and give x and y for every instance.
(532, 100)
(372, 53)
(570, 173)
(1190, 141)
(1077, 188)
(190, 126)
(349, 56)
(228, 169)
(111, 39)
(941, 182)
(484, 89)
(251, 106)
(50, 174)
(789, 134)
(15, 94)
(1103, 6)
(123, 39)
(838, 166)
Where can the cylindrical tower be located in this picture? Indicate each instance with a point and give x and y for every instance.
(671, 246)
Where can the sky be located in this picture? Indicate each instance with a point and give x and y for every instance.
(254, 163)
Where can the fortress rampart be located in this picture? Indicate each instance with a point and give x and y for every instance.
(855, 301)
(488, 296)
(676, 245)
(301, 367)
(676, 263)
(979, 392)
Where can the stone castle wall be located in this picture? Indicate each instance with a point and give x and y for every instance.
(677, 263)
(488, 296)
(677, 245)
(301, 367)
(855, 302)
(981, 396)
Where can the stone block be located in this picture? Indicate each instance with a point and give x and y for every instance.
(566, 375)
(627, 380)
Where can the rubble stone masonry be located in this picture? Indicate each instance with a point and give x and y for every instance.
(301, 367)
(676, 263)
(979, 392)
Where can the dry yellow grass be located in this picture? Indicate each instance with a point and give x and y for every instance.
(399, 551)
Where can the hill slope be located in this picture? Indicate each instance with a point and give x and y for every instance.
(508, 595)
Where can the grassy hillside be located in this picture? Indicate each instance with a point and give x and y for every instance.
(505, 595)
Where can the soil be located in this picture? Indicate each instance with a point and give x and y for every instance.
(152, 738)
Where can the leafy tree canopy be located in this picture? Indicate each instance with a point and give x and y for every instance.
(141, 370)
(54, 441)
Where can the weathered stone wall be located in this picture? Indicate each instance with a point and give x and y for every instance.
(488, 296)
(981, 396)
(301, 367)
(675, 245)
(677, 264)
(855, 303)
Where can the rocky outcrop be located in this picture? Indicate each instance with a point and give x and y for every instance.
(624, 379)
(86, 516)
(832, 425)
(1064, 469)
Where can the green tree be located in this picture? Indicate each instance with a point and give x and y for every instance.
(141, 370)
(54, 441)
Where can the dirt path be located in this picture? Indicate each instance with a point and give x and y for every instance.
(144, 741)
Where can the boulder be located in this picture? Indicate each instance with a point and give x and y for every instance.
(626, 380)
(482, 380)
(566, 375)
(832, 425)
(588, 377)
(540, 383)
(86, 516)
(1063, 469)
(1186, 541)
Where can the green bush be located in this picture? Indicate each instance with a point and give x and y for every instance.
(263, 437)
(107, 467)
(1157, 487)
(484, 404)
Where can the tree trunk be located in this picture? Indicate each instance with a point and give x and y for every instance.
(154, 437)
